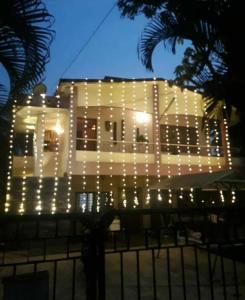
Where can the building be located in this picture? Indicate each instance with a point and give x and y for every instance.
(113, 142)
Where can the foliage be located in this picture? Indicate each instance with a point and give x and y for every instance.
(215, 61)
(24, 44)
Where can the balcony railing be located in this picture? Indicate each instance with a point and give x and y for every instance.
(145, 147)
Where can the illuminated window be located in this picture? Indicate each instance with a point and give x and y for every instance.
(87, 201)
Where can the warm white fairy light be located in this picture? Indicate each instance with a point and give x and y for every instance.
(197, 132)
(111, 198)
(84, 142)
(25, 160)
(222, 197)
(228, 146)
(148, 196)
(233, 195)
(177, 129)
(56, 157)
(123, 113)
(181, 193)
(166, 102)
(191, 195)
(170, 196)
(98, 146)
(159, 195)
(187, 130)
(157, 140)
(39, 207)
(70, 151)
(10, 159)
(207, 134)
(217, 142)
(135, 197)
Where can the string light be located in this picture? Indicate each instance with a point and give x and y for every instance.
(41, 156)
(56, 157)
(156, 129)
(217, 141)
(159, 196)
(166, 101)
(187, 130)
(98, 146)
(70, 151)
(233, 196)
(85, 140)
(170, 196)
(228, 146)
(123, 146)
(25, 160)
(191, 195)
(222, 198)
(135, 199)
(177, 129)
(148, 196)
(207, 133)
(181, 194)
(10, 159)
(197, 132)
(111, 143)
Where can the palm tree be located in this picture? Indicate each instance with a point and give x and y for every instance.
(24, 44)
(214, 64)
(25, 37)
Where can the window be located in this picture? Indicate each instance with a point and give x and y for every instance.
(86, 134)
(187, 136)
(215, 138)
(87, 202)
(50, 140)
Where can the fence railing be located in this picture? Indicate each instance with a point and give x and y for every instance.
(131, 254)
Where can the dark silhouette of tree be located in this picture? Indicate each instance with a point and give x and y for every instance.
(214, 64)
(25, 37)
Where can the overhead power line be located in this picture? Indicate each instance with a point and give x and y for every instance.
(83, 47)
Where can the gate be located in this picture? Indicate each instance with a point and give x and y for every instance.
(175, 254)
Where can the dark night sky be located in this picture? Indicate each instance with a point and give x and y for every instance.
(112, 51)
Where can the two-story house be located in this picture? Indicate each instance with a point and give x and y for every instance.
(112, 142)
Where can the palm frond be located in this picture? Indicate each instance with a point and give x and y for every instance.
(3, 95)
(25, 39)
(156, 32)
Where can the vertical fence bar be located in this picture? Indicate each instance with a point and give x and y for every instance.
(73, 279)
(35, 268)
(169, 275)
(122, 275)
(138, 274)
(197, 273)
(146, 230)
(101, 266)
(114, 236)
(210, 271)
(237, 295)
(222, 271)
(68, 247)
(154, 274)
(183, 271)
(14, 270)
(54, 280)
(44, 248)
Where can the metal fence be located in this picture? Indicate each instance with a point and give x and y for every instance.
(125, 254)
